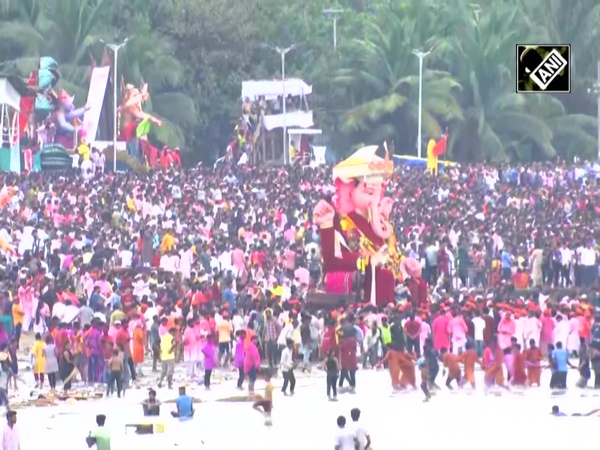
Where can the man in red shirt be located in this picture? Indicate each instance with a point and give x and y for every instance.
(60, 339)
(122, 342)
(412, 328)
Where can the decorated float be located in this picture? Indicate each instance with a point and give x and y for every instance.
(56, 120)
(43, 129)
(361, 259)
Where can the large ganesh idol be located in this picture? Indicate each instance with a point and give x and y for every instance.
(356, 234)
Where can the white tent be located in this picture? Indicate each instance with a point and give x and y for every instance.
(274, 88)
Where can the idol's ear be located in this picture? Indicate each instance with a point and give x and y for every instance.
(342, 200)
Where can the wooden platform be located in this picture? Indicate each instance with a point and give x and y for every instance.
(324, 300)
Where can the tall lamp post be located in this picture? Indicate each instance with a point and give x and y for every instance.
(334, 15)
(115, 49)
(421, 55)
(282, 52)
(596, 91)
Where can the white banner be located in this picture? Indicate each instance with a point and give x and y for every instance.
(95, 100)
(319, 154)
(293, 119)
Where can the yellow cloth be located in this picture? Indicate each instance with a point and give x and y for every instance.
(386, 335)
(166, 344)
(86, 257)
(432, 160)
(277, 292)
(39, 360)
(167, 243)
(269, 392)
(17, 313)
(117, 315)
(130, 204)
(84, 152)
(224, 330)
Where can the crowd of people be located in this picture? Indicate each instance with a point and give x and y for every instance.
(215, 267)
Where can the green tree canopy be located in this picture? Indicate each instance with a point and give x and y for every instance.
(194, 55)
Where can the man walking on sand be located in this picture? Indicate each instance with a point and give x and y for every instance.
(9, 438)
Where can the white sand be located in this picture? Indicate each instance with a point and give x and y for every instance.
(452, 420)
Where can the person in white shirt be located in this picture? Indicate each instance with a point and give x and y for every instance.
(479, 326)
(287, 367)
(566, 255)
(286, 333)
(344, 438)
(87, 169)
(9, 436)
(126, 257)
(59, 310)
(360, 433)
(587, 258)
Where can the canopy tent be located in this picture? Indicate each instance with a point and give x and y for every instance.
(272, 89)
(414, 161)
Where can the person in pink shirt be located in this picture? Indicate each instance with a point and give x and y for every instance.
(252, 363)
(532, 327)
(573, 339)
(290, 260)
(163, 328)
(25, 294)
(547, 332)
(200, 338)
(88, 284)
(302, 274)
(239, 262)
(457, 329)
(441, 338)
(190, 347)
(506, 330)
(104, 286)
(290, 235)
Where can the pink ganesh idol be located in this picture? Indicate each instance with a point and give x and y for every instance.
(355, 231)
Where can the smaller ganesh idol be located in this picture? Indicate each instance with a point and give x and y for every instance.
(355, 232)
(135, 123)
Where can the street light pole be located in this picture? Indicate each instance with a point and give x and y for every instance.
(334, 15)
(282, 52)
(115, 49)
(596, 91)
(421, 55)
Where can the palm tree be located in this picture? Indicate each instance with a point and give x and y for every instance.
(498, 123)
(150, 58)
(382, 79)
(70, 31)
(575, 23)
(20, 34)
